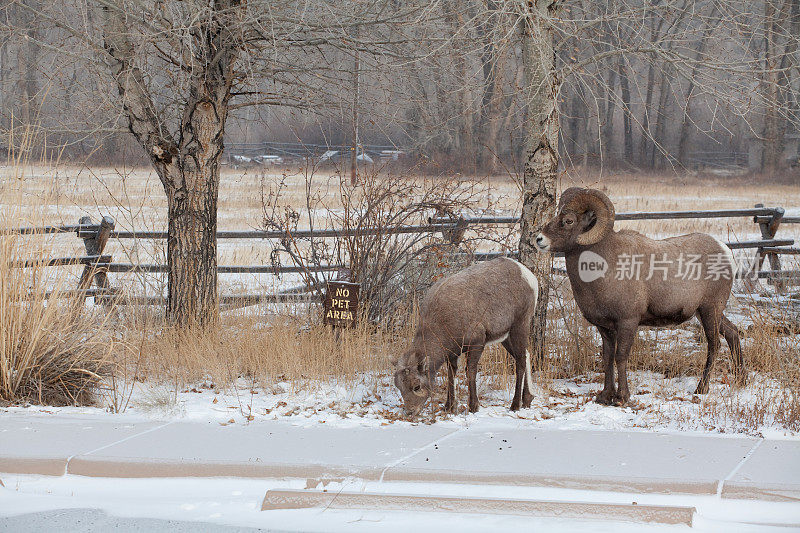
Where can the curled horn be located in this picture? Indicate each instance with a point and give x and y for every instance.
(582, 200)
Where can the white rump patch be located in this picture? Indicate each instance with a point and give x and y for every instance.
(729, 253)
(529, 278)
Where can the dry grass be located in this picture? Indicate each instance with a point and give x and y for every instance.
(134, 197)
(271, 344)
(51, 351)
(293, 348)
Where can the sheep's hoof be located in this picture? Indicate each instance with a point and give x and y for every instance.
(740, 379)
(606, 397)
(515, 407)
(702, 388)
(473, 407)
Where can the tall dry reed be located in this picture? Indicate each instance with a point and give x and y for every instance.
(52, 350)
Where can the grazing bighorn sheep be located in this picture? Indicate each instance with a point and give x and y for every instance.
(622, 280)
(483, 304)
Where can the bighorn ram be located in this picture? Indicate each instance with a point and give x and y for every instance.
(483, 304)
(622, 280)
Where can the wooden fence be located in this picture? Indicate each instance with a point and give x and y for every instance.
(770, 247)
(97, 264)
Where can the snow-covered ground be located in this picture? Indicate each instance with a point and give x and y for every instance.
(658, 404)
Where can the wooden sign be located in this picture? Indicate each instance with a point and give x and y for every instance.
(340, 304)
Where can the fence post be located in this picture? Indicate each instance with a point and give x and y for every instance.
(768, 230)
(456, 235)
(455, 230)
(94, 246)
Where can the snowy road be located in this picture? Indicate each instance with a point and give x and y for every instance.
(75, 503)
(130, 472)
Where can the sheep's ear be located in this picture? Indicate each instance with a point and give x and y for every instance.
(395, 360)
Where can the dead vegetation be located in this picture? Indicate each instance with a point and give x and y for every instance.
(53, 351)
(392, 267)
(59, 353)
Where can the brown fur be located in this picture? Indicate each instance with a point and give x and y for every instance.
(462, 314)
(617, 307)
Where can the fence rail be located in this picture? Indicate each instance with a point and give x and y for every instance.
(223, 269)
(61, 261)
(294, 149)
(764, 214)
(97, 265)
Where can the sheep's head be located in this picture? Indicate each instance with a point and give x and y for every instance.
(411, 381)
(584, 217)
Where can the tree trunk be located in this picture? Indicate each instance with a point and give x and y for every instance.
(28, 63)
(541, 155)
(789, 25)
(607, 129)
(189, 166)
(4, 92)
(491, 145)
(465, 143)
(574, 122)
(686, 132)
(192, 246)
(644, 145)
(683, 139)
(192, 188)
(660, 137)
(792, 58)
(354, 129)
(771, 154)
(626, 112)
(490, 105)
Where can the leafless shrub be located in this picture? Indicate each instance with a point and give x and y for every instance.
(390, 264)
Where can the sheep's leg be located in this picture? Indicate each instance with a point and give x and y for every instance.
(731, 334)
(626, 333)
(519, 384)
(451, 406)
(527, 390)
(516, 345)
(473, 356)
(711, 327)
(432, 371)
(606, 396)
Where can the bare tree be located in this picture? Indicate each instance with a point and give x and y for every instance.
(541, 152)
(354, 141)
(627, 115)
(187, 161)
(780, 45)
(686, 132)
(453, 93)
(181, 68)
(467, 84)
